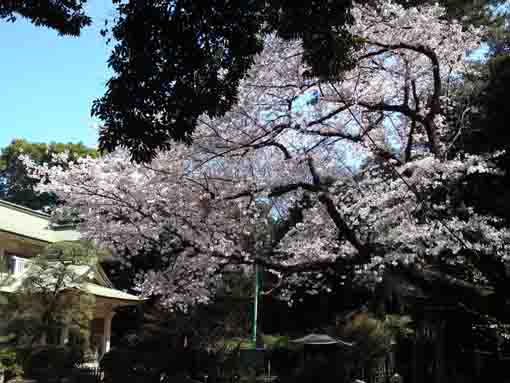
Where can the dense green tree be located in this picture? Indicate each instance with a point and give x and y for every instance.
(67, 17)
(176, 60)
(479, 125)
(45, 301)
(472, 11)
(480, 122)
(485, 103)
(16, 186)
(173, 60)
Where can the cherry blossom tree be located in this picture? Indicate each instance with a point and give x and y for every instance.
(358, 170)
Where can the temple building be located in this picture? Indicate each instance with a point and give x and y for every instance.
(24, 233)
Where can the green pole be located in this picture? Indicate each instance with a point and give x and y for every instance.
(255, 306)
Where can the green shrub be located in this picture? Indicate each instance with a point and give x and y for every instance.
(137, 365)
(318, 371)
(149, 362)
(9, 364)
(49, 363)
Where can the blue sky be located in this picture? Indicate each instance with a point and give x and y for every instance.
(48, 82)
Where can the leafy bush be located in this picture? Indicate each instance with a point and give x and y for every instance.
(283, 355)
(318, 371)
(284, 360)
(122, 365)
(9, 365)
(50, 362)
(139, 364)
(149, 362)
(373, 339)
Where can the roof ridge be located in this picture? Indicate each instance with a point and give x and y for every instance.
(24, 209)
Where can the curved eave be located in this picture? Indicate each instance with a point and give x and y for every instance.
(321, 339)
(115, 296)
(39, 241)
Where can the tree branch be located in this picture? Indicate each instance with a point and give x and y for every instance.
(336, 217)
(434, 103)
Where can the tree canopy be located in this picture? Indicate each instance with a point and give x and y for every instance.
(67, 17)
(174, 61)
(16, 186)
(296, 143)
(45, 301)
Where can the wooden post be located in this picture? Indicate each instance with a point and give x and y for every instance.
(64, 335)
(3, 262)
(414, 361)
(439, 352)
(477, 363)
(44, 339)
(107, 331)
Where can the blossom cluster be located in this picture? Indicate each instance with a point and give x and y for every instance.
(350, 169)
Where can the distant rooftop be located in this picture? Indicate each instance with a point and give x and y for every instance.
(24, 222)
(321, 339)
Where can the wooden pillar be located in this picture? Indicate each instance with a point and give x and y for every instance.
(43, 340)
(414, 361)
(477, 363)
(107, 331)
(439, 352)
(419, 364)
(2, 261)
(64, 335)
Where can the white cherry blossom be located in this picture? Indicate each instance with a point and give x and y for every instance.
(295, 145)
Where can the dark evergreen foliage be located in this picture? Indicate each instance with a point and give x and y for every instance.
(68, 17)
(16, 186)
(176, 60)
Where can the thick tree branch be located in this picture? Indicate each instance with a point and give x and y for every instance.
(343, 229)
(409, 146)
(434, 280)
(384, 107)
(277, 191)
(434, 103)
(328, 116)
(295, 216)
(278, 145)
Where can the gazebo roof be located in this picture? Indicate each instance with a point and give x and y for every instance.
(321, 339)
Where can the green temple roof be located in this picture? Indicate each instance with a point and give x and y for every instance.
(21, 221)
(30, 224)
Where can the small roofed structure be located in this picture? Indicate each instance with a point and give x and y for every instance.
(321, 347)
(321, 339)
